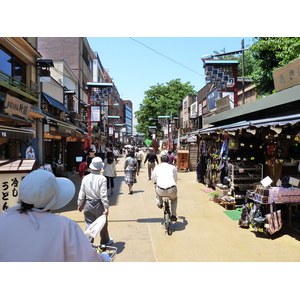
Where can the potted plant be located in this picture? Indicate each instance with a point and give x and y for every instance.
(214, 196)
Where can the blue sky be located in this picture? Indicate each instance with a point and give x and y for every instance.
(134, 67)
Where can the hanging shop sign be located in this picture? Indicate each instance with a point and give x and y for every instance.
(287, 76)
(212, 97)
(95, 113)
(17, 107)
(223, 104)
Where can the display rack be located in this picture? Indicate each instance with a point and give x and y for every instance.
(243, 176)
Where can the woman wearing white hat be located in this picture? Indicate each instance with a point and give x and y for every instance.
(30, 232)
(92, 198)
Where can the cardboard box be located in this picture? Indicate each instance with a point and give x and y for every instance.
(221, 192)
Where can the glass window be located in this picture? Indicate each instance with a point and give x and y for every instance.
(5, 62)
(19, 70)
(12, 66)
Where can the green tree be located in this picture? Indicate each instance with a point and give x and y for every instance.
(269, 54)
(161, 100)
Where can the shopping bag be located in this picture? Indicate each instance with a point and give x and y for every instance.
(94, 229)
(273, 220)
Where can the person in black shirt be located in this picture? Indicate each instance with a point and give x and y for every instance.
(152, 158)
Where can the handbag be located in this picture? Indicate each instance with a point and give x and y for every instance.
(273, 220)
(94, 229)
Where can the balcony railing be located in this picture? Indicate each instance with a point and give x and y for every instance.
(19, 87)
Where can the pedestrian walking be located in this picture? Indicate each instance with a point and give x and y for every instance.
(110, 171)
(130, 169)
(92, 198)
(151, 158)
(171, 158)
(165, 177)
(30, 232)
(139, 156)
(91, 155)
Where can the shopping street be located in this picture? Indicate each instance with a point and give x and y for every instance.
(203, 232)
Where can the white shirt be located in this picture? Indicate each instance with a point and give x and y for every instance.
(109, 169)
(93, 186)
(165, 175)
(58, 239)
(139, 155)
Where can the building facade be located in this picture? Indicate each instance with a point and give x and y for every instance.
(20, 116)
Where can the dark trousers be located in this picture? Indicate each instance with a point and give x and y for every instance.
(110, 182)
(93, 209)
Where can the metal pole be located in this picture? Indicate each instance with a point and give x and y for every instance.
(89, 115)
(243, 70)
(40, 123)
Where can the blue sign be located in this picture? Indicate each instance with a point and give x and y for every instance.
(212, 97)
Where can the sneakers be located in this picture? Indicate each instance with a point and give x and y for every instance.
(173, 218)
(159, 206)
(110, 242)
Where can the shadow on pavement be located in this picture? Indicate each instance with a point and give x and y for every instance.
(120, 246)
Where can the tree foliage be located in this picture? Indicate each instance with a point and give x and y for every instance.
(268, 54)
(161, 100)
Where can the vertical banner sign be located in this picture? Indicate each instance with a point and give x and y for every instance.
(10, 189)
(95, 113)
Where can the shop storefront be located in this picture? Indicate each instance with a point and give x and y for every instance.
(251, 142)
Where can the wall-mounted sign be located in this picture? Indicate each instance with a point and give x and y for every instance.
(16, 106)
(287, 76)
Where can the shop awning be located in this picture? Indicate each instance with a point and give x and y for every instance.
(55, 103)
(276, 121)
(36, 112)
(16, 133)
(279, 121)
(191, 139)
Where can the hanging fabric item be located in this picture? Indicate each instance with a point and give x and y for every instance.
(30, 154)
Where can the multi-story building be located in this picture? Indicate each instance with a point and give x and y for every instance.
(94, 94)
(186, 124)
(19, 97)
(128, 115)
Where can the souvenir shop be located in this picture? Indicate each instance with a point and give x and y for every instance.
(258, 160)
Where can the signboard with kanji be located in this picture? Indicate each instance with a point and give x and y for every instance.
(287, 76)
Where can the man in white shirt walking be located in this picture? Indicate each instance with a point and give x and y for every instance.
(165, 176)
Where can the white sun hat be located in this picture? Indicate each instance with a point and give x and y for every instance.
(45, 191)
(96, 164)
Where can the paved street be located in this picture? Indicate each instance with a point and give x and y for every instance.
(203, 232)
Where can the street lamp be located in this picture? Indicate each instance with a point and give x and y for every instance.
(153, 130)
(165, 120)
(119, 127)
(97, 91)
(111, 120)
(100, 94)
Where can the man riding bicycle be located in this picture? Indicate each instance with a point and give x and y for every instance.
(165, 176)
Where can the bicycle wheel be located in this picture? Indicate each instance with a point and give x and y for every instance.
(168, 223)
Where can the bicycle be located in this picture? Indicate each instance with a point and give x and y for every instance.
(110, 250)
(167, 215)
